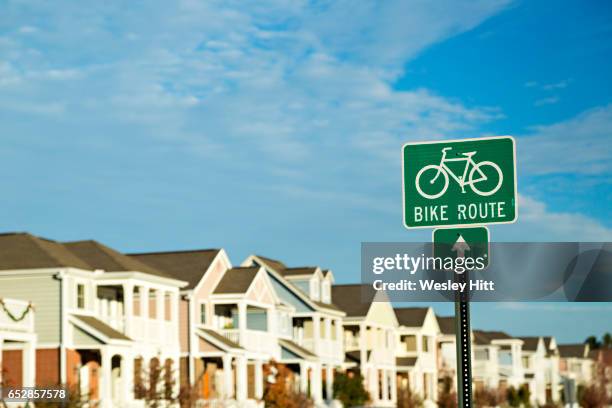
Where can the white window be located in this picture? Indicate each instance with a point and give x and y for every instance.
(80, 296)
(203, 313)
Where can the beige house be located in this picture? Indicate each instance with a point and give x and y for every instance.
(416, 352)
(228, 323)
(574, 363)
(370, 339)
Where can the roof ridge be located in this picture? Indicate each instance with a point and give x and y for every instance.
(178, 251)
(37, 242)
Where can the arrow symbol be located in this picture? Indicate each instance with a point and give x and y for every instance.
(460, 246)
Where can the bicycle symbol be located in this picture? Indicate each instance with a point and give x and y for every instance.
(442, 169)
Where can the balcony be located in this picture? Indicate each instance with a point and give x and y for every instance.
(159, 332)
(16, 309)
(329, 349)
(253, 340)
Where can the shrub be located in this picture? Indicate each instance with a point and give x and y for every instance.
(279, 392)
(447, 398)
(349, 389)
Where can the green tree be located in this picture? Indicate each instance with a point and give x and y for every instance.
(592, 342)
(607, 340)
(349, 389)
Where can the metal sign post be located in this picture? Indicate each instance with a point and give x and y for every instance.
(459, 183)
(463, 344)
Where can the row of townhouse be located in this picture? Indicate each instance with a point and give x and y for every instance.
(104, 319)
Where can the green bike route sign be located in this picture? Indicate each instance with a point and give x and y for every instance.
(459, 182)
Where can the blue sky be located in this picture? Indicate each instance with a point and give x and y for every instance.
(277, 128)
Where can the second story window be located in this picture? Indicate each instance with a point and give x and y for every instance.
(80, 296)
(203, 313)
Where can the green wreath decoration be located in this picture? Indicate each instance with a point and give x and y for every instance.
(12, 316)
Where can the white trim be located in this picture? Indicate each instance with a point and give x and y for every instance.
(474, 139)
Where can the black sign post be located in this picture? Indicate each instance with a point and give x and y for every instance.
(463, 343)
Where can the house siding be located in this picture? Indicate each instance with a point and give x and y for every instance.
(44, 293)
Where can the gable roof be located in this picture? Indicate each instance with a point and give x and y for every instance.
(411, 316)
(275, 264)
(354, 299)
(236, 280)
(486, 337)
(572, 350)
(530, 343)
(447, 324)
(189, 266)
(296, 349)
(218, 339)
(21, 250)
(101, 327)
(301, 270)
(100, 256)
(275, 268)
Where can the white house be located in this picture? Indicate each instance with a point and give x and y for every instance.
(416, 352)
(534, 365)
(370, 339)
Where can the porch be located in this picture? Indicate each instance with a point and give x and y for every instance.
(17, 343)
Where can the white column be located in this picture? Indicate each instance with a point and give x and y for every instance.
(385, 384)
(128, 308)
(144, 306)
(316, 333)
(315, 383)
(174, 306)
(329, 382)
(160, 308)
(29, 363)
(1, 345)
(241, 378)
(127, 377)
(228, 376)
(105, 378)
(339, 332)
(393, 386)
(303, 377)
(363, 332)
(374, 384)
(242, 322)
(259, 380)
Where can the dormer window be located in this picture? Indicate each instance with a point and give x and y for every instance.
(325, 292)
(314, 289)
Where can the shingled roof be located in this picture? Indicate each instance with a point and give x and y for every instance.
(486, 337)
(236, 280)
(21, 250)
(530, 343)
(275, 264)
(189, 266)
(411, 316)
(99, 256)
(301, 270)
(572, 350)
(354, 300)
(447, 324)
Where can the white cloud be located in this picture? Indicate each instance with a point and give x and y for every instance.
(580, 145)
(536, 223)
(551, 100)
(279, 77)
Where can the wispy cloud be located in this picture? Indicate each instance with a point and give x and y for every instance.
(579, 145)
(551, 100)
